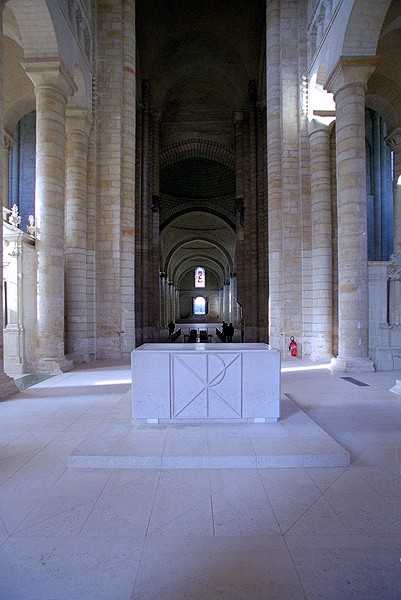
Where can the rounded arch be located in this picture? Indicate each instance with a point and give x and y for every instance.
(365, 16)
(18, 110)
(44, 33)
(347, 36)
(224, 261)
(198, 55)
(199, 148)
(197, 208)
(34, 31)
(189, 264)
(386, 107)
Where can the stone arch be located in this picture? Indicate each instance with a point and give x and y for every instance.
(365, 16)
(219, 247)
(199, 148)
(211, 265)
(197, 208)
(387, 104)
(34, 30)
(195, 56)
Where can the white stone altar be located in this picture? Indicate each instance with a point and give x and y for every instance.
(206, 382)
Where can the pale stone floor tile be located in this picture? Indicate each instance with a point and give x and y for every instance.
(3, 532)
(225, 446)
(385, 480)
(221, 478)
(234, 568)
(26, 443)
(291, 493)
(9, 465)
(361, 508)
(72, 491)
(381, 454)
(68, 568)
(123, 511)
(341, 567)
(68, 522)
(243, 508)
(318, 519)
(196, 521)
(186, 447)
(22, 492)
(324, 477)
(178, 491)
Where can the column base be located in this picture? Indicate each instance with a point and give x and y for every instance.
(53, 365)
(321, 357)
(7, 386)
(397, 388)
(352, 365)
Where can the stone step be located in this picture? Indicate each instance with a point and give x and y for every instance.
(295, 441)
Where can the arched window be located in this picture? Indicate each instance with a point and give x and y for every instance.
(199, 277)
(199, 307)
(21, 182)
(379, 188)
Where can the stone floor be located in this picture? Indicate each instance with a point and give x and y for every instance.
(162, 533)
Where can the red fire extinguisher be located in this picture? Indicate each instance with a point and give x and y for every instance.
(293, 346)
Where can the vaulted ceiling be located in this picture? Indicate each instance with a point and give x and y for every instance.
(198, 58)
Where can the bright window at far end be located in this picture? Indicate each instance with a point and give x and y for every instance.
(199, 277)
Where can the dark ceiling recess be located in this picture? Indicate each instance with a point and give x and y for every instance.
(197, 178)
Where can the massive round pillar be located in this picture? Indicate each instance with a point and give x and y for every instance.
(348, 82)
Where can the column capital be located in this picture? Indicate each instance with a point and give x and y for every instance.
(78, 119)
(320, 124)
(393, 139)
(350, 70)
(50, 72)
(8, 141)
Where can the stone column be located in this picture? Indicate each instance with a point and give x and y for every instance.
(233, 298)
(163, 322)
(78, 124)
(322, 277)
(253, 308)
(226, 307)
(171, 304)
(146, 174)
(177, 304)
(394, 141)
(52, 86)
(274, 170)
(348, 84)
(8, 143)
(154, 227)
(128, 198)
(7, 384)
(240, 206)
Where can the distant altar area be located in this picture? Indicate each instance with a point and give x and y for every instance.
(206, 382)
